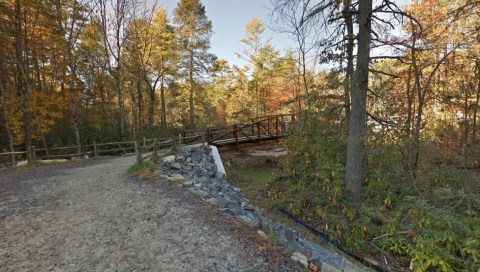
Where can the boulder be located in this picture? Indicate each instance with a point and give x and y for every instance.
(168, 159)
(299, 257)
(249, 219)
(219, 202)
(177, 166)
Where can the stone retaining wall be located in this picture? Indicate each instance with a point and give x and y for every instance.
(199, 169)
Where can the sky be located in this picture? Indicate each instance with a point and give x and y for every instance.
(229, 18)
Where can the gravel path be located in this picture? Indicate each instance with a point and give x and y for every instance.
(90, 216)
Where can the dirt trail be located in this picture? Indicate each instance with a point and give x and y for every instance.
(90, 216)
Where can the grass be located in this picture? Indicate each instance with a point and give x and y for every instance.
(253, 180)
(143, 170)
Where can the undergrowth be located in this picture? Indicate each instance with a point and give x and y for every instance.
(144, 169)
(430, 223)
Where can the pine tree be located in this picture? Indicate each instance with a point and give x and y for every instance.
(193, 31)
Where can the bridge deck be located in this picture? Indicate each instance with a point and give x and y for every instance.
(250, 139)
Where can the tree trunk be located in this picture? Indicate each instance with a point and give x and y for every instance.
(357, 125)
(192, 84)
(3, 94)
(121, 105)
(466, 128)
(22, 83)
(140, 105)
(39, 87)
(349, 49)
(475, 108)
(73, 105)
(151, 108)
(163, 123)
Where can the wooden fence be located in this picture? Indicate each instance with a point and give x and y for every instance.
(96, 149)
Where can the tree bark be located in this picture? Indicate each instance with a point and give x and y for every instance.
(39, 87)
(3, 94)
(475, 108)
(73, 107)
(349, 50)
(22, 83)
(140, 105)
(192, 85)
(357, 125)
(163, 122)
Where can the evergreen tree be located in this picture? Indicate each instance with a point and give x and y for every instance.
(193, 31)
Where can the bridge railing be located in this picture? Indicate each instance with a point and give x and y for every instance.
(260, 129)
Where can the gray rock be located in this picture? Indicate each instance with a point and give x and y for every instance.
(219, 202)
(249, 219)
(200, 192)
(262, 234)
(299, 257)
(265, 221)
(168, 159)
(188, 183)
(177, 166)
(232, 211)
(248, 208)
(180, 159)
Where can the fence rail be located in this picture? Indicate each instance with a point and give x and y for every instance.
(95, 149)
(259, 129)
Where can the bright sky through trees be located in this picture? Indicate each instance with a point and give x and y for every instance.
(229, 18)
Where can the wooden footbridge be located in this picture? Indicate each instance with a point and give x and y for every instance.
(259, 130)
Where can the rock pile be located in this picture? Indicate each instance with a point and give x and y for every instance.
(195, 169)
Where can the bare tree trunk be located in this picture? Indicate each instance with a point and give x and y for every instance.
(348, 81)
(407, 127)
(475, 108)
(163, 123)
(121, 104)
(22, 78)
(140, 105)
(40, 85)
(466, 128)
(151, 109)
(192, 85)
(73, 107)
(357, 125)
(3, 94)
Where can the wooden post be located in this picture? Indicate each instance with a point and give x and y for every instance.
(253, 128)
(258, 132)
(155, 148)
(95, 153)
(268, 125)
(174, 143)
(144, 142)
(28, 155)
(208, 135)
(34, 153)
(235, 134)
(138, 152)
(179, 139)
